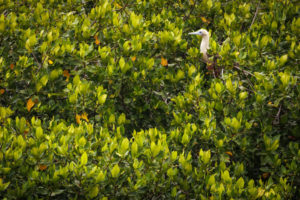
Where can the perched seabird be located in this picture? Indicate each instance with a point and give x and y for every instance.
(204, 46)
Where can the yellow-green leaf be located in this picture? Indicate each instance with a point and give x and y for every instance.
(84, 159)
(115, 171)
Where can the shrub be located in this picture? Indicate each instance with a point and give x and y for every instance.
(110, 100)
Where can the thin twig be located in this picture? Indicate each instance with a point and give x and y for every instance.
(276, 120)
(244, 71)
(255, 15)
(36, 60)
(191, 10)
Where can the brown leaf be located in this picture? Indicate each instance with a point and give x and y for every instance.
(265, 175)
(2, 91)
(42, 167)
(66, 74)
(229, 153)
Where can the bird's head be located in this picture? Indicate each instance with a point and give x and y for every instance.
(201, 32)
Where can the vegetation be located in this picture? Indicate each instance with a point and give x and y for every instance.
(111, 100)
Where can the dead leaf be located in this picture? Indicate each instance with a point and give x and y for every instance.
(2, 91)
(42, 167)
(26, 132)
(30, 104)
(78, 119)
(85, 116)
(164, 62)
(66, 74)
(97, 42)
(204, 19)
(265, 175)
(12, 66)
(133, 58)
(229, 153)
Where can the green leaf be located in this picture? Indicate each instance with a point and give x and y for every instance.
(122, 63)
(39, 132)
(235, 124)
(44, 80)
(102, 99)
(124, 145)
(283, 59)
(185, 139)
(76, 80)
(94, 191)
(115, 171)
(218, 87)
(243, 95)
(122, 119)
(226, 177)
(84, 159)
(240, 183)
(174, 156)
(134, 149)
(82, 141)
(211, 180)
(155, 149)
(101, 176)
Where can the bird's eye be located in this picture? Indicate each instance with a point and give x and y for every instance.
(200, 32)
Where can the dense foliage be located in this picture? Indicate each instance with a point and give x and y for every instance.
(111, 100)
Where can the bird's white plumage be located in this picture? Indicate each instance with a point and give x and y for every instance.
(204, 46)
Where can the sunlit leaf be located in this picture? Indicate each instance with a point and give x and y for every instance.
(84, 159)
(115, 171)
(117, 5)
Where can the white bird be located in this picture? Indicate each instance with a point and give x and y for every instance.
(204, 46)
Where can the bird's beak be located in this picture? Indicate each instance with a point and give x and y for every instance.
(194, 33)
